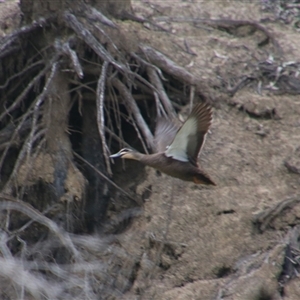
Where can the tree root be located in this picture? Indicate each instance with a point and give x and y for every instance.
(264, 218)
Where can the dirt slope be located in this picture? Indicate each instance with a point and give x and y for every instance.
(198, 242)
(194, 242)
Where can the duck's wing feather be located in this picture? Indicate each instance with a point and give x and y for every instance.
(165, 132)
(190, 138)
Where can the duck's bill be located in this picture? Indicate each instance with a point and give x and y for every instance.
(115, 155)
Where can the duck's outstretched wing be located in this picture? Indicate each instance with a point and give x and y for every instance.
(190, 138)
(165, 132)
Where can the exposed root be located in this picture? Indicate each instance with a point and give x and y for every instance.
(9, 203)
(263, 219)
(134, 110)
(57, 112)
(100, 114)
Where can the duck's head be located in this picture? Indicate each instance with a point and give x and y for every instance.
(126, 153)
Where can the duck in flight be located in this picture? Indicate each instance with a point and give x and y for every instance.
(178, 147)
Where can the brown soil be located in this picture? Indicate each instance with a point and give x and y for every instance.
(195, 242)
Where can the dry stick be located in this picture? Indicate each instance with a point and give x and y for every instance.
(3, 246)
(26, 149)
(122, 142)
(7, 132)
(38, 287)
(192, 96)
(9, 39)
(90, 40)
(133, 108)
(138, 132)
(12, 139)
(158, 70)
(264, 218)
(21, 156)
(33, 82)
(74, 59)
(16, 132)
(37, 105)
(9, 51)
(154, 79)
(26, 225)
(117, 115)
(96, 15)
(8, 80)
(106, 178)
(100, 114)
(159, 107)
(108, 38)
(168, 65)
(10, 203)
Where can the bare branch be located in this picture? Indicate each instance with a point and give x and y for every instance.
(90, 40)
(74, 59)
(11, 38)
(95, 15)
(161, 92)
(133, 108)
(8, 80)
(7, 132)
(27, 147)
(106, 178)
(21, 97)
(37, 286)
(100, 114)
(158, 70)
(192, 96)
(264, 218)
(10, 203)
(167, 65)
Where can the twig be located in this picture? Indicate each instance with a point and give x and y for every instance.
(7, 132)
(133, 108)
(137, 130)
(10, 203)
(192, 97)
(19, 160)
(8, 80)
(26, 225)
(263, 219)
(100, 114)
(158, 70)
(170, 67)
(32, 83)
(37, 286)
(11, 38)
(106, 178)
(90, 40)
(159, 107)
(74, 59)
(116, 137)
(27, 147)
(95, 15)
(116, 110)
(154, 79)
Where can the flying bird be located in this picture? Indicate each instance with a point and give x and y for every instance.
(178, 147)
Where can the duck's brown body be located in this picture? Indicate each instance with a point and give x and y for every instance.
(175, 168)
